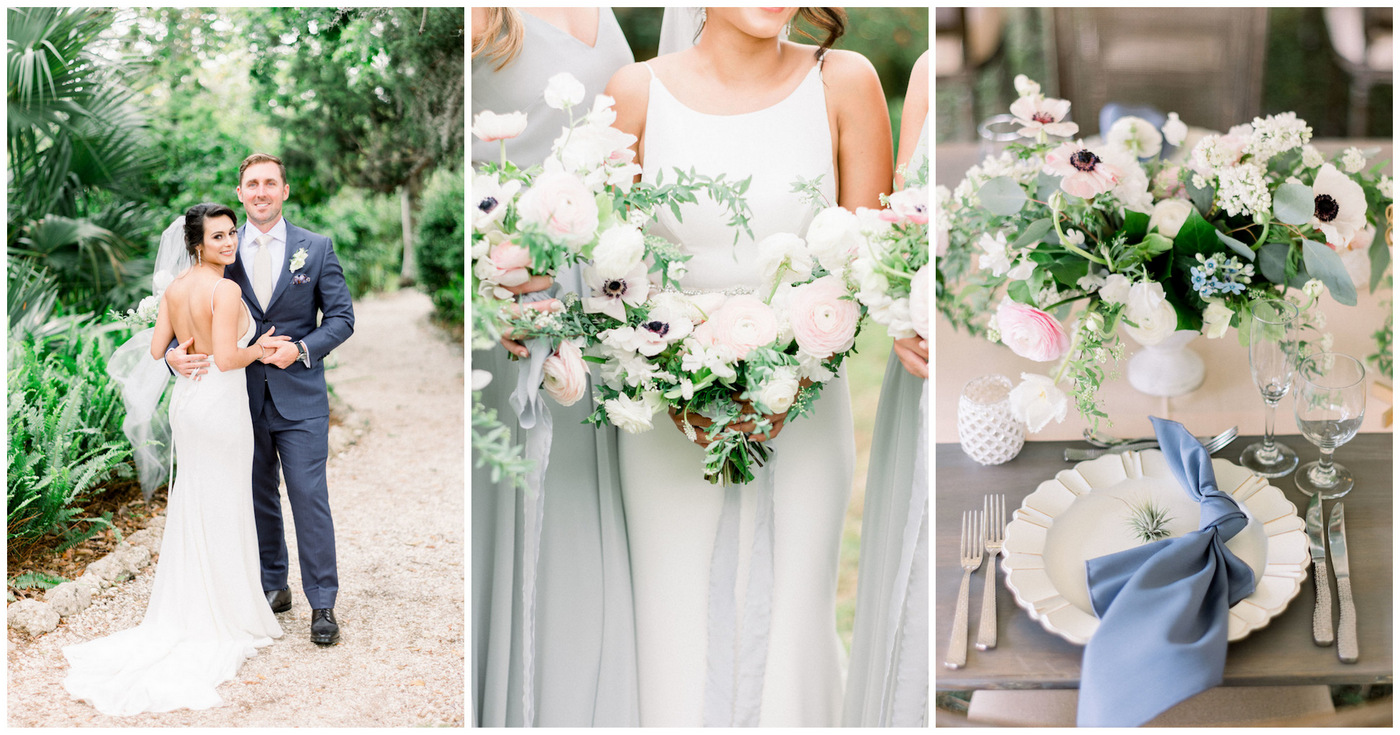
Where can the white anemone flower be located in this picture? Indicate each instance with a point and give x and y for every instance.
(1339, 206)
(1043, 113)
(613, 292)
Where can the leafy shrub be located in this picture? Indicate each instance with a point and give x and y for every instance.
(65, 435)
(441, 245)
(368, 235)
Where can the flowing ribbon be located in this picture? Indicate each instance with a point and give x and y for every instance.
(734, 675)
(904, 690)
(1164, 607)
(535, 420)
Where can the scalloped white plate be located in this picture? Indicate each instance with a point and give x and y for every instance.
(1078, 516)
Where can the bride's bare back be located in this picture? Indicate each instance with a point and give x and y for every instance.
(190, 301)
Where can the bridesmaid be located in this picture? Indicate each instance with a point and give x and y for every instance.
(887, 685)
(583, 671)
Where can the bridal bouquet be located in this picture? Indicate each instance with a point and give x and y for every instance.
(733, 364)
(541, 220)
(891, 253)
(1154, 244)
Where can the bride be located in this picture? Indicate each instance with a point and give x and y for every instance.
(744, 102)
(207, 612)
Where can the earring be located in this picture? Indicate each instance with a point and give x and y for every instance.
(198, 256)
(787, 29)
(702, 16)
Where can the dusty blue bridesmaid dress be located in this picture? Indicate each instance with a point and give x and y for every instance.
(582, 671)
(887, 683)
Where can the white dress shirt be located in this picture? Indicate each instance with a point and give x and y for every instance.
(276, 250)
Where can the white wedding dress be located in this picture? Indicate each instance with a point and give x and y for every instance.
(207, 612)
(672, 512)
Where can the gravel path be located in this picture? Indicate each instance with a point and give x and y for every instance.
(397, 497)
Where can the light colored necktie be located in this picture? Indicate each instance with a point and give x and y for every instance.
(262, 270)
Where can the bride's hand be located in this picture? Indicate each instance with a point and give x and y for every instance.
(913, 354)
(511, 345)
(269, 343)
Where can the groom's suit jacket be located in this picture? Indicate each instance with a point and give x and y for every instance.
(298, 391)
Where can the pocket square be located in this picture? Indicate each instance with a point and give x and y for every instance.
(300, 278)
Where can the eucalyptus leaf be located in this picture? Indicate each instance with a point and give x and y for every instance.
(1240, 248)
(1325, 265)
(1380, 258)
(1202, 198)
(1033, 233)
(1293, 203)
(1045, 186)
(1273, 259)
(1002, 196)
(1020, 291)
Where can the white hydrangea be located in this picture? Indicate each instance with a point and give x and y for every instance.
(1275, 134)
(1090, 283)
(1312, 157)
(1006, 164)
(1353, 160)
(1386, 187)
(1243, 190)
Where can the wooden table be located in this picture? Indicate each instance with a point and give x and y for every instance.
(1029, 657)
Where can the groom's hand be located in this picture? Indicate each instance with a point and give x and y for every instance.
(285, 354)
(186, 365)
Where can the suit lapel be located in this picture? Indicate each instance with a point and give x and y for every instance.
(239, 275)
(284, 274)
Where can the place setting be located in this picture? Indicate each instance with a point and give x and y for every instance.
(1148, 570)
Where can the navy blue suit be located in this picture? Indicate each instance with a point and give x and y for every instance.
(291, 411)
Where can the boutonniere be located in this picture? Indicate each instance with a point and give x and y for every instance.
(298, 260)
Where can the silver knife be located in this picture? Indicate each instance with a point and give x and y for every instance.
(1347, 649)
(1322, 611)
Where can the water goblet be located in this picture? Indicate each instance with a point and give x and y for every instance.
(1273, 340)
(1329, 406)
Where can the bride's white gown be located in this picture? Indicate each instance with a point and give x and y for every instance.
(672, 512)
(207, 612)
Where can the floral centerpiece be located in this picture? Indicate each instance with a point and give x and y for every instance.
(1147, 242)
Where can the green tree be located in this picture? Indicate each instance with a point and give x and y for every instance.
(76, 145)
(370, 97)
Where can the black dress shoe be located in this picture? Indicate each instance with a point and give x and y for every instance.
(324, 629)
(280, 600)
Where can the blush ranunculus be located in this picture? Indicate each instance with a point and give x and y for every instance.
(563, 206)
(1030, 332)
(566, 375)
(823, 318)
(741, 324)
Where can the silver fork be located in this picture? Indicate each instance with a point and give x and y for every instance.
(970, 557)
(994, 516)
(1215, 444)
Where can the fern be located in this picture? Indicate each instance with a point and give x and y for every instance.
(36, 580)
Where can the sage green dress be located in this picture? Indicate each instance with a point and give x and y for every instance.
(583, 668)
(887, 683)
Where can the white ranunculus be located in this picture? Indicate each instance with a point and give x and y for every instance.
(1149, 309)
(1169, 215)
(1037, 401)
(1115, 288)
(785, 251)
(777, 393)
(1313, 288)
(619, 250)
(480, 379)
(563, 90)
(1136, 136)
(632, 415)
(1174, 130)
(489, 127)
(1217, 320)
(831, 238)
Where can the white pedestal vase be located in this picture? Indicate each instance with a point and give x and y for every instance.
(1168, 368)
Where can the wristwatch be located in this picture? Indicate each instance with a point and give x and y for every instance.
(302, 354)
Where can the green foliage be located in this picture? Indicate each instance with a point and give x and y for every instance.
(75, 148)
(35, 580)
(492, 443)
(441, 245)
(368, 234)
(65, 436)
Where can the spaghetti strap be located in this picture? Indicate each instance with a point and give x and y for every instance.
(652, 71)
(214, 292)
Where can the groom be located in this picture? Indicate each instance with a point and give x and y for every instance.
(288, 275)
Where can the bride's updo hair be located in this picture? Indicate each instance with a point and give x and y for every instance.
(831, 21)
(194, 223)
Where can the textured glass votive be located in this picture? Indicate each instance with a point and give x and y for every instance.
(987, 430)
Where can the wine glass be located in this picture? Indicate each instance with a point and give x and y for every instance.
(1329, 406)
(1273, 340)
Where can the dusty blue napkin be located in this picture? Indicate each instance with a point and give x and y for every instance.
(1164, 607)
